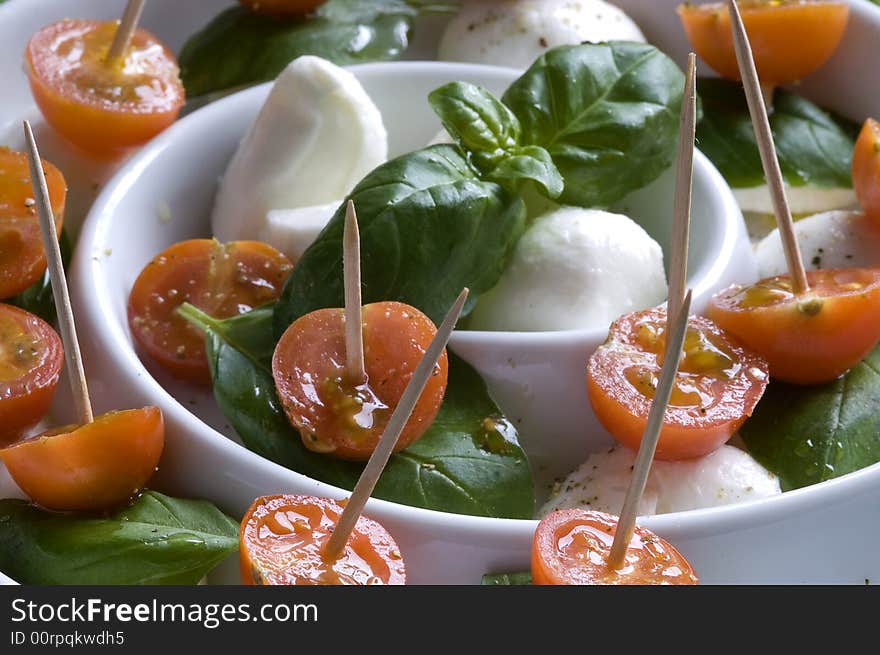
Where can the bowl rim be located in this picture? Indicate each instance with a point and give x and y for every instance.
(90, 283)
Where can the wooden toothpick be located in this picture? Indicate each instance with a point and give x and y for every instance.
(351, 273)
(63, 309)
(767, 149)
(376, 464)
(681, 209)
(642, 467)
(127, 26)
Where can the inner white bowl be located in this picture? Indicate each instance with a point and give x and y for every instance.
(538, 379)
(543, 390)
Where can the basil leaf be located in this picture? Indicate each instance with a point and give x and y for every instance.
(810, 434)
(429, 227)
(814, 146)
(515, 579)
(38, 298)
(468, 461)
(240, 48)
(490, 133)
(481, 123)
(157, 540)
(607, 113)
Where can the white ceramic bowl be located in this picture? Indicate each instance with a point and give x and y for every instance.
(537, 377)
(820, 534)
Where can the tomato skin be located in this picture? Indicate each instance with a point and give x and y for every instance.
(789, 39)
(705, 409)
(571, 547)
(223, 280)
(282, 537)
(93, 467)
(78, 93)
(349, 420)
(282, 8)
(26, 387)
(22, 259)
(811, 345)
(866, 169)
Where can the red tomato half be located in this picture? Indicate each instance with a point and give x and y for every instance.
(789, 38)
(716, 388)
(571, 547)
(282, 538)
(102, 108)
(222, 280)
(31, 357)
(335, 415)
(866, 169)
(808, 339)
(22, 259)
(93, 467)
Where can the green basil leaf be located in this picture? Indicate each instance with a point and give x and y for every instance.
(468, 462)
(38, 298)
(515, 579)
(429, 226)
(481, 123)
(607, 113)
(240, 48)
(157, 540)
(528, 164)
(814, 146)
(490, 133)
(810, 434)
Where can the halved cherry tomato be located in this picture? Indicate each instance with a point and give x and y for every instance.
(102, 108)
(811, 338)
(790, 38)
(336, 415)
(571, 547)
(222, 280)
(282, 7)
(31, 356)
(282, 539)
(22, 259)
(866, 169)
(97, 466)
(717, 385)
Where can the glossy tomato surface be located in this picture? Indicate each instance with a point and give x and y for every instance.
(93, 467)
(282, 538)
(31, 357)
(222, 280)
(101, 107)
(866, 169)
(346, 418)
(790, 38)
(22, 258)
(810, 338)
(571, 547)
(717, 386)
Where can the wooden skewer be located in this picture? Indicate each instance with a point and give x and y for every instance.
(127, 26)
(351, 273)
(376, 464)
(681, 209)
(72, 353)
(767, 149)
(642, 467)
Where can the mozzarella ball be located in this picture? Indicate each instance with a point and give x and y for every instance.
(291, 231)
(515, 33)
(836, 239)
(726, 476)
(317, 135)
(574, 269)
